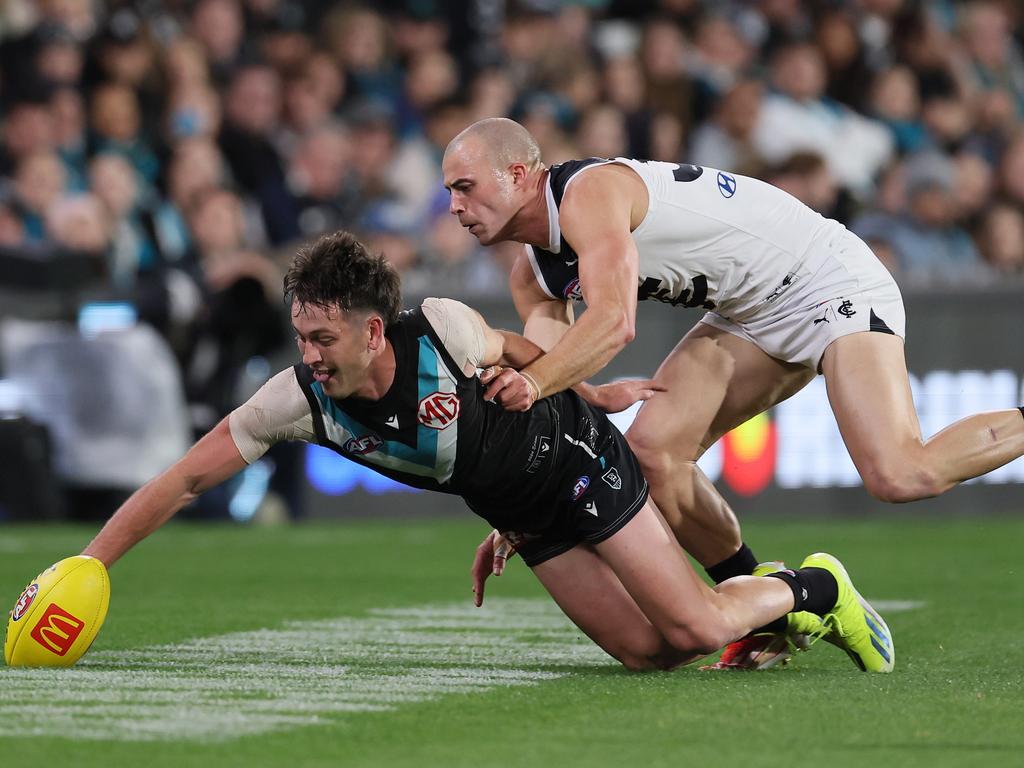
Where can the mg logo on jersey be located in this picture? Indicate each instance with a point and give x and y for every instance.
(363, 445)
(438, 410)
(726, 184)
(57, 630)
(25, 601)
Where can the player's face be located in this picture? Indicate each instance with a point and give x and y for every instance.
(482, 197)
(334, 344)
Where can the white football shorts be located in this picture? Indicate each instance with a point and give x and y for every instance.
(841, 288)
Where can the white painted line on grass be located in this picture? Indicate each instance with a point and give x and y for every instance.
(306, 672)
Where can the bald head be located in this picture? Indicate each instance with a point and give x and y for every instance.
(502, 141)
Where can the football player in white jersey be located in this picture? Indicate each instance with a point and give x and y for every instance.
(789, 295)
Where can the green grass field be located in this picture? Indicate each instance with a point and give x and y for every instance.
(357, 645)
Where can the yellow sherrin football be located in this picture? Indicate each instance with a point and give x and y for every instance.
(59, 614)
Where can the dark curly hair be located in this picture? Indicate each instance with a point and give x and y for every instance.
(337, 270)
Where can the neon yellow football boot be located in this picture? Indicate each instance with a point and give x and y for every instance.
(770, 649)
(853, 624)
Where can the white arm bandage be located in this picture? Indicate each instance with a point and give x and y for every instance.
(460, 331)
(278, 411)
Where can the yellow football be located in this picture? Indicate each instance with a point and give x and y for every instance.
(59, 614)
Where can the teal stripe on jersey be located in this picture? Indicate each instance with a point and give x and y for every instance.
(434, 453)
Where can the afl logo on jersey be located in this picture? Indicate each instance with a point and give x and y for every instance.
(581, 485)
(363, 445)
(438, 410)
(726, 184)
(572, 290)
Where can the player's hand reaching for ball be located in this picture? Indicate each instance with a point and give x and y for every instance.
(490, 559)
(508, 388)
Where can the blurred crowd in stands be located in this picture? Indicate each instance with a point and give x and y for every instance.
(184, 147)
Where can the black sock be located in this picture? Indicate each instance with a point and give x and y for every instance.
(814, 589)
(741, 563)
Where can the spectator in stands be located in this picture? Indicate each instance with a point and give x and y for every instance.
(996, 59)
(322, 180)
(663, 58)
(846, 60)
(247, 139)
(115, 182)
(797, 116)
(975, 182)
(117, 126)
(80, 223)
(27, 128)
(1001, 238)
(603, 133)
(12, 231)
(67, 109)
(1011, 170)
(218, 26)
(726, 140)
(806, 176)
(59, 57)
(39, 182)
(928, 242)
(625, 110)
(720, 57)
(894, 100)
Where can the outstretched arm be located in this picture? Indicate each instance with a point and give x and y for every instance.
(209, 462)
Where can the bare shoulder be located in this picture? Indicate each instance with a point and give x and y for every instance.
(612, 192)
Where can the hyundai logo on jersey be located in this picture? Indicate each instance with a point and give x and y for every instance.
(726, 184)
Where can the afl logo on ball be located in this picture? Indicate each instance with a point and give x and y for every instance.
(25, 601)
(438, 410)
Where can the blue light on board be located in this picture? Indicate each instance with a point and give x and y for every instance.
(334, 475)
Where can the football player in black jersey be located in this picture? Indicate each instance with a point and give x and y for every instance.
(399, 393)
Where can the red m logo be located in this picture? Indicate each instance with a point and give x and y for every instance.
(57, 630)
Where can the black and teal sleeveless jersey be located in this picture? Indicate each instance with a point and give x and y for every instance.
(434, 430)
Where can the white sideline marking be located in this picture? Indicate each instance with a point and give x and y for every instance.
(306, 672)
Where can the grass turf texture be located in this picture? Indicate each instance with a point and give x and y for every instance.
(955, 698)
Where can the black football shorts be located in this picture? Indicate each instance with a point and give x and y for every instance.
(593, 501)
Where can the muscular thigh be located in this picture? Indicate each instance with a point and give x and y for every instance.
(714, 381)
(591, 595)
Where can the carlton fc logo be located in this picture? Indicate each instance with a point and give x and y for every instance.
(438, 410)
(363, 445)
